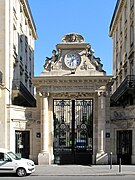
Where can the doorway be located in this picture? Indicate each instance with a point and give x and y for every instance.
(124, 146)
(22, 143)
(73, 131)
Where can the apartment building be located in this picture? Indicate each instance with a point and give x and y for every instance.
(17, 38)
(123, 89)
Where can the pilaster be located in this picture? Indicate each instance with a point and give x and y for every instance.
(101, 157)
(43, 157)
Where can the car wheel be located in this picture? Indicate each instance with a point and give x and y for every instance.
(21, 172)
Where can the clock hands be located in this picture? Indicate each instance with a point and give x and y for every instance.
(72, 60)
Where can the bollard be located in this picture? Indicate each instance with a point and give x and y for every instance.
(110, 160)
(119, 165)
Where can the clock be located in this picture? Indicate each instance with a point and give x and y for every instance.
(72, 60)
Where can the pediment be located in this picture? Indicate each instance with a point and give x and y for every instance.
(73, 57)
(87, 67)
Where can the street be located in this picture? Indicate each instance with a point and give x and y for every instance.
(77, 172)
(116, 177)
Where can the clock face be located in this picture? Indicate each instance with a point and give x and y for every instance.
(72, 60)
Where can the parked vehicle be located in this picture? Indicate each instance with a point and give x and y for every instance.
(11, 163)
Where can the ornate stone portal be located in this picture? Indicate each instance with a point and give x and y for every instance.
(76, 75)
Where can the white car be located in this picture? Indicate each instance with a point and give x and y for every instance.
(11, 163)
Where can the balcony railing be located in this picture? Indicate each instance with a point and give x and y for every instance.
(127, 83)
(23, 91)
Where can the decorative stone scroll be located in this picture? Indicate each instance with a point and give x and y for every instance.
(123, 114)
(124, 124)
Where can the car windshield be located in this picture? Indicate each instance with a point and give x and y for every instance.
(14, 156)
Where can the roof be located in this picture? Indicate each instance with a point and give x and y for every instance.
(114, 13)
(29, 16)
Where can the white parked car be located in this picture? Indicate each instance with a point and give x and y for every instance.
(11, 163)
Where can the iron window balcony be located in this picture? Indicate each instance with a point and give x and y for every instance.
(126, 87)
(21, 95)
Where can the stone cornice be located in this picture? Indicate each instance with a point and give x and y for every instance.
(72, 85)
(70, 81)
(73, 45)
(29, 16)
(116, 17)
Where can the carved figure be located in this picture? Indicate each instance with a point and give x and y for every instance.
(98, 64)
(50, 61)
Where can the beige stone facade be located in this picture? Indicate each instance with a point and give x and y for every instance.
(123, 89)
(122, 33)
(17, 34)
(73, 99)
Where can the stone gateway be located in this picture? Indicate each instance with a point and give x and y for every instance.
(73, 101)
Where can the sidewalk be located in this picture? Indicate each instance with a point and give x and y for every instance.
(79, 170)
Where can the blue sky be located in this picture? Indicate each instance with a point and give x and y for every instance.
(90, 18)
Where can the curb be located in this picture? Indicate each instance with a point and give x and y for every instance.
(81, 174)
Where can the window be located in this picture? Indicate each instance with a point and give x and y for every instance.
(26, 49)
(117, 36)
(120, 55)
(1, 156)
(120, 25)
(131, 34)
(4, 157)
(131, 3)
(120, 77)
(125, 71)
(15, 36)
(30, 85)
(125, 13)
(22, 18)
(125, 44)
(21, 8)
(116, 64)
(116, 82)
(21, 58)
(131, 68)
(21, 46)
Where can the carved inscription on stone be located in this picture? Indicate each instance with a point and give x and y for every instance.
(72, 95)
(67, 88)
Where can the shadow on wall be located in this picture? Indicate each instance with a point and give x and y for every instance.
(22, 86)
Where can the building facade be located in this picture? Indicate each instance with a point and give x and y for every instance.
(75, 118)
(123, 89)
(73, 100)
(17, 35)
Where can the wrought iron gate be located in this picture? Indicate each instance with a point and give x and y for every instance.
(73, 131)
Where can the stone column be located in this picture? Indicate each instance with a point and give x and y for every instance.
(101, 128)
(43, 157)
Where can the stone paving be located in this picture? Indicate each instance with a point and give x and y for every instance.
(79, 170)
